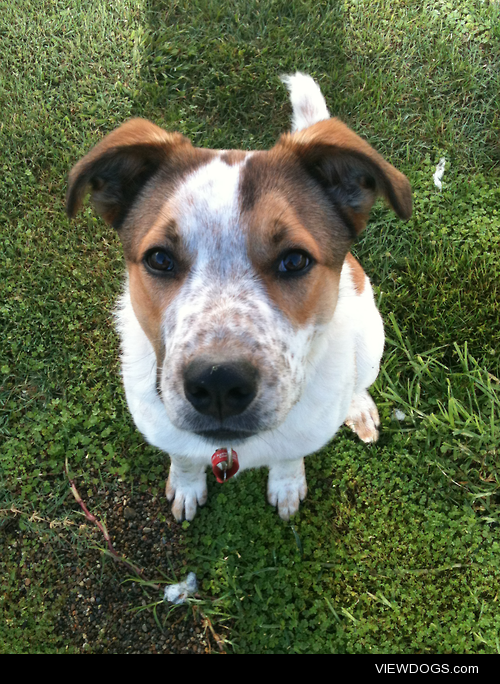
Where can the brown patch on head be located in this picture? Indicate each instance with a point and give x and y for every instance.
(150, 298)
(232, 157)
(350, 171)
(153, 209)
(357, 274)
(275, 190)
(145, 302)
(313, 192)
(152, 224)
(151, 295)
(285, 212)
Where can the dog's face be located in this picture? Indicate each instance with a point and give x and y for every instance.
(234, 259)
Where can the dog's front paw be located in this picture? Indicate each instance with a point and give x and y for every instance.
(287, 487)
(187, 488)
(363, 417)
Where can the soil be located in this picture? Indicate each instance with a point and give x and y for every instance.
(106, 608)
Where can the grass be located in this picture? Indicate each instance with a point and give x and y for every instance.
(396, 548)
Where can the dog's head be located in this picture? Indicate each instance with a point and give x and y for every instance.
(234, 259)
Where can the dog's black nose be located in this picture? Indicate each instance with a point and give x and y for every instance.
(220, 390)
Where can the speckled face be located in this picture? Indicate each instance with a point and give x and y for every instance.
(235, 268)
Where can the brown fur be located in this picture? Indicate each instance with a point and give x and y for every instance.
(152, 295)
(357, 274)
(332, 143)
(232, 156)
(138, 145)
(273, 227)
(124, 154)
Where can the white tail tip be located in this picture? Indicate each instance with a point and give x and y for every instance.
(308, 103)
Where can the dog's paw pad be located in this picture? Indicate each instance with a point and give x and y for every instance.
(186, 496)
(363, 418)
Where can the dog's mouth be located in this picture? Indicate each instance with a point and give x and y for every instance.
(222, 437)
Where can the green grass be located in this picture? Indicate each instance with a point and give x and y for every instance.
(396, 549)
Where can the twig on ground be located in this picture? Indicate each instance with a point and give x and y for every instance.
(91, 518)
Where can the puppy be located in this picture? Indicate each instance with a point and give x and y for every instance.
(245, 322)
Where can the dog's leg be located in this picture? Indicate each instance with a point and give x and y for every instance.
(363, 417)
(186, 487)
(287, 486)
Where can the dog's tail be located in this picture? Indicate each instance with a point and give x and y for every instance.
(308, 103)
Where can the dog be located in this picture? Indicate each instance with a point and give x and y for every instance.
(246, 325)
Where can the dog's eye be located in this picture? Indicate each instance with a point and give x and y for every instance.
(294, 262)
(159, 261)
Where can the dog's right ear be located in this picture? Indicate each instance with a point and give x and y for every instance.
(117, 168)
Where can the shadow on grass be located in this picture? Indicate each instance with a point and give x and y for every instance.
(212, 70)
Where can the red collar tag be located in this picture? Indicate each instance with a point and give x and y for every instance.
(224, 464)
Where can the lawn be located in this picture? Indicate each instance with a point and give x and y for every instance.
(397, 547)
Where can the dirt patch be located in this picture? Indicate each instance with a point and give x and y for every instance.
(105, 608)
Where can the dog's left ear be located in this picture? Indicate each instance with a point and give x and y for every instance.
(350, 171)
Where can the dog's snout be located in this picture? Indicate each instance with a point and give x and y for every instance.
(218, 389)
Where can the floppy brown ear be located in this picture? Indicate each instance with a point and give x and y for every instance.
(350, 171)
(117, 168)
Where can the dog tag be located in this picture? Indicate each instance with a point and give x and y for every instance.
(225, 464)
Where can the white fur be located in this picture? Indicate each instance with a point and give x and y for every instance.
(307, 100)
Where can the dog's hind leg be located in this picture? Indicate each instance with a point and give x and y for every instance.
(363, 418)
